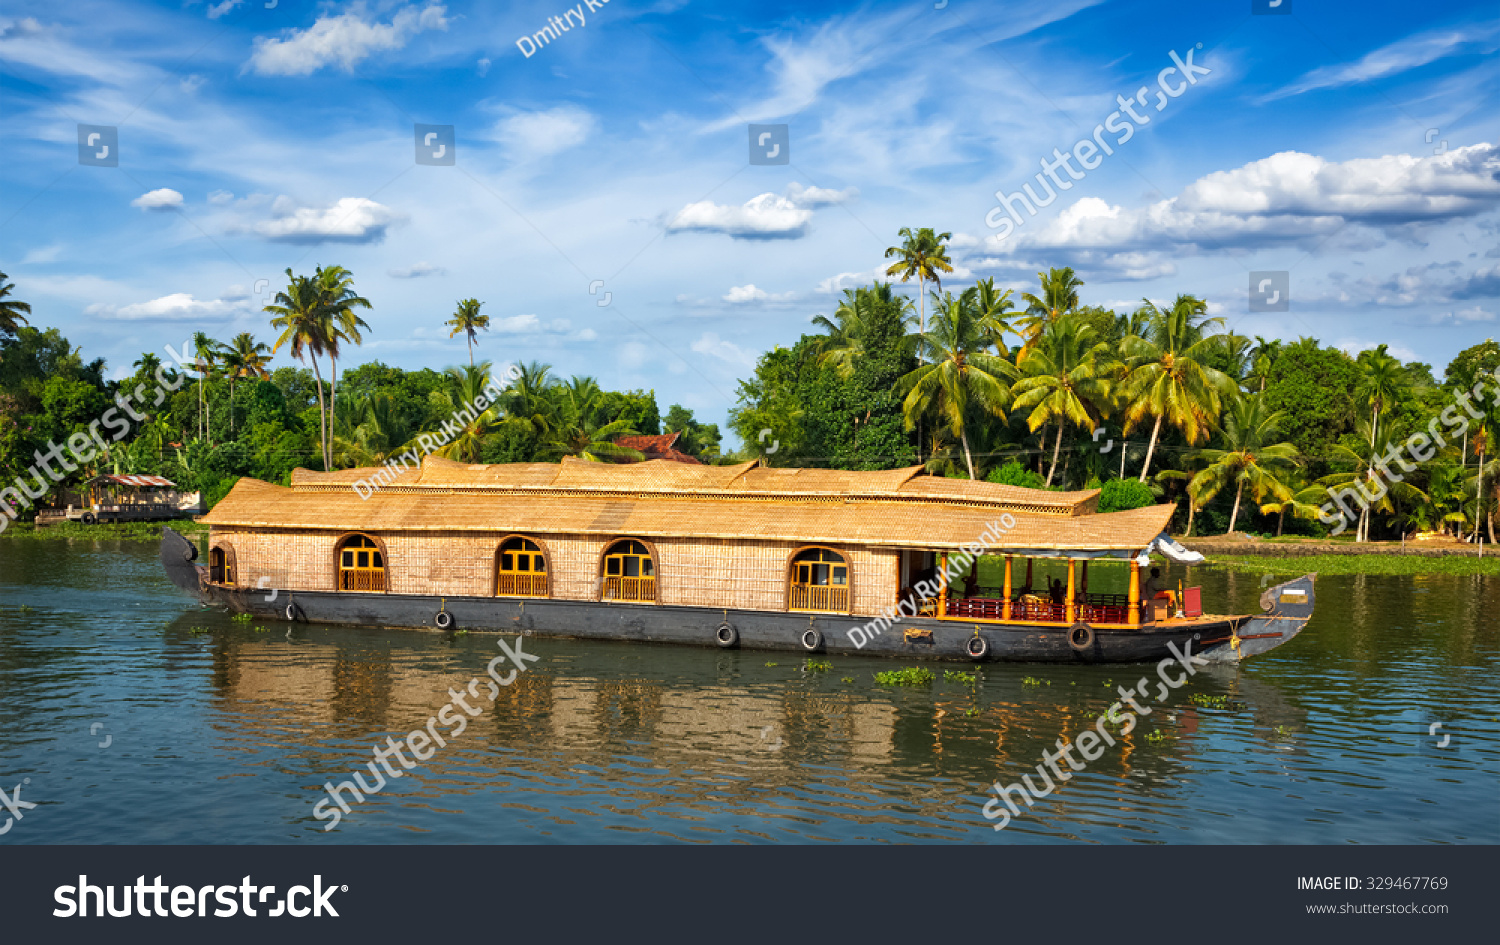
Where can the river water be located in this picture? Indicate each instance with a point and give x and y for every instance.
(130, 715)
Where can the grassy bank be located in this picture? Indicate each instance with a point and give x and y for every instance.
(1359, 564)
(122, 531)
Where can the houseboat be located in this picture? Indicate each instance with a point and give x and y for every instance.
(812, 560)
(115, 497)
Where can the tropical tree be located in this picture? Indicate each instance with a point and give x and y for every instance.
(527, 403)
(580, 431)
(339, 300)
(1066, 378)
(991, 305)
(955, 370)
(205, 352)
(303, 320)
(923, 254)
(11, 309)
(1168, 379)
(465, 385)
(244, 357)
(1249, 458)
(467, 321)
(1059, 297)
(1382, 379)
(844, 344)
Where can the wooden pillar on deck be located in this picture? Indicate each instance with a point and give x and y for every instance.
(1072, 606)
(1006, 606)
(942, 606)
(1085, 580)
(1134, 618)
(1028, 575)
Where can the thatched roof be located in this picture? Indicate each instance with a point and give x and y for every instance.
(660, 499)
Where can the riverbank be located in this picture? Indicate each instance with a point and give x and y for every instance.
(1385, 564)
(122, 531)
(1306, 547)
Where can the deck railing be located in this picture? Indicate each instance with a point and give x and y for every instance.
(630, 589)
(352, 580)
(830, 599)
(521, 585)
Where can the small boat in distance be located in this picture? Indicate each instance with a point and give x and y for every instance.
(812, 560)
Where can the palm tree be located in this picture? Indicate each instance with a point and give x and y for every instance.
(1249, 458)
(842, 347)
(1168, 378)
(1262, 361)
(961, 371)
(922, 254)
(336, 287)
(526, 401)
(1304, 502)
(244, 357)
(146, 364)
(1382, 380)
(990, 305)
(10, 309)
(1059, 297)
(465, 385)
(205, 351)
(304, 323)
(468, 321)
(1481, 442)
(579, 432)
(1065, 379)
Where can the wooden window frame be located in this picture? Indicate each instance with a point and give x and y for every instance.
(231, 564)
(655, 559)
(546, 557)
(385, 558)
(790, 575)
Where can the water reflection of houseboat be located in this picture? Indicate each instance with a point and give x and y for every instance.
(734, 556)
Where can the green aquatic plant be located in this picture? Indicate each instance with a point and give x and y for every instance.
(261, 629)
(847, 679)
(959, 676)
(1033, 681)
(910, 676)
(773, 664)
(1155, 736)
(816, 666)
(241, 618)
(972, 711)
(1208, 701)
(196, 631)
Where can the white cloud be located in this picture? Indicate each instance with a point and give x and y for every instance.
(483, 68)
(179, 306)
(42, 254)
(715, 347)
(852, 280)
(531, 135)
(349, 220)
(742, 294)
(219, 9)
(1353, 346)
(220, 197)
(1466, 316)
(1288, 197)
(345, 39)
(163, 198)
(765, 217)
(1400, 56)
(416, 271)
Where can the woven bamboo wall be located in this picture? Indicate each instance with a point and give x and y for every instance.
(736, 573)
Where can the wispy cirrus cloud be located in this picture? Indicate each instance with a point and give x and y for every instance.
(1406, 54)
(343, 39)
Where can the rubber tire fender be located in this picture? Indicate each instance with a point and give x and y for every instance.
(290, 611)
(726, 636)
(89, 518)
(443, 620)
(977, 647)
(1081, 637)
(811, 640)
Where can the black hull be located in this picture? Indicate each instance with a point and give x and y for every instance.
(758, 630)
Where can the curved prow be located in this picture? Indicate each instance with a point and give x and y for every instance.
(1287, 609)
(177, 557)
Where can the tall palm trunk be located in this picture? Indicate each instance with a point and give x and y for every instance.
(1479, 502)
(963, 435)
(322, 412)
(1235, 514)
(1151, 450)
(333, 403)
(1192, 511)
(1056, 445)
(1280, 520)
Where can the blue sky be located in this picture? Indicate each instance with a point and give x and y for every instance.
(1351, 145)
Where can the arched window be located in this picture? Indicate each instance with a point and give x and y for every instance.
(520, 569)
(820, 582)
(629, 572)
(221, 565)
(361, 565)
